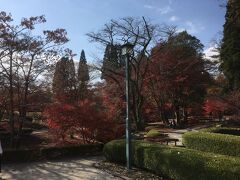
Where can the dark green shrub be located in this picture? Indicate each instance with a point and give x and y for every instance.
(70, 151)
(175, 162)
(213, 142)
(21, 155)
(223, 130)
(26, 155)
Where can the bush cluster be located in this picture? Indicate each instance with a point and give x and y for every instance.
(213, 142)
(71, 151)
(175, 162)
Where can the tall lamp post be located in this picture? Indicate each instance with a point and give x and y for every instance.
(127, 50)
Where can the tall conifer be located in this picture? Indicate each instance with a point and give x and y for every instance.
(230, 49)
(64, 79)
(83, 71)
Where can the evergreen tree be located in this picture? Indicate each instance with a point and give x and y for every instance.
(83, 76)
(64, 80)
(230, 49)
(83, 72)
(193, 46)
(111, 60)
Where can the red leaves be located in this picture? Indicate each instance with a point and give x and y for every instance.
(215, 106)
(218, 105)
(176, 79)
(82, 119)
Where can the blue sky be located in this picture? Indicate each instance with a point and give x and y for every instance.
(202, 18)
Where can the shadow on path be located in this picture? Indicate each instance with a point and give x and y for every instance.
(67, 169)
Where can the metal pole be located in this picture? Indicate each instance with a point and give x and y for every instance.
(128, 124)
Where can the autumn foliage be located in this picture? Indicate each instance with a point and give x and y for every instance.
(176, 79)
(215, 107)
(81, 119)
(77, 110)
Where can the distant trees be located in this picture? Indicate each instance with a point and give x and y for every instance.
(172, 76)
(141, 34)
(66, 82)
(230, 49)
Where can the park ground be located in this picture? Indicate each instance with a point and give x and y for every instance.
(77, 168)
(68, 169)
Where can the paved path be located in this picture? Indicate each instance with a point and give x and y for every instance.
(177, 134)
(66, 169)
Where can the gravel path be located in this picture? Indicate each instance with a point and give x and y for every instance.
(67, 169)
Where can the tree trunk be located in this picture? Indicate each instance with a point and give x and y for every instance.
(11, 113)
(24, 108)
(177, 115)
(185, 115)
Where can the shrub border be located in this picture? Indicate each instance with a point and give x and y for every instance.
(175, 162)
(208, 141)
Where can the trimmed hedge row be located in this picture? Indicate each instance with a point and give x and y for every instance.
(223, 130)
(21, 155)
(27, 155)
(175, 162)
(213, 142)
(71, 151)
(7, 134)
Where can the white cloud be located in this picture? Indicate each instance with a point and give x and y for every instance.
(174, 18)
(164, 10)
(181, 30)
(149, 6)
(192, 28)
(211, 51)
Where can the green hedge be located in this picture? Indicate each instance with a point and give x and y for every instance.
(213, 142)
(175, 162)
(223, 130)
(21, 155)
(69, 151)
